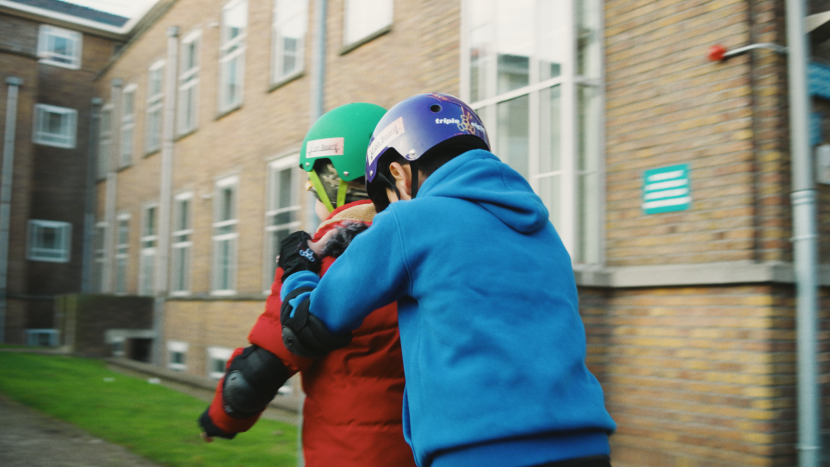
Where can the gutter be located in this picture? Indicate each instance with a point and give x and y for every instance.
(6, 194)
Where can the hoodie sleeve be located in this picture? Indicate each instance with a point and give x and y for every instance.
(370, 274)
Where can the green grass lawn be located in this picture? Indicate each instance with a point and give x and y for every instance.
(148, 419)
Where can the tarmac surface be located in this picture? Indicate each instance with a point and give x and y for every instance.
(29, 438)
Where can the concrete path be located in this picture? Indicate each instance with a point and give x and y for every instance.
(31, 439)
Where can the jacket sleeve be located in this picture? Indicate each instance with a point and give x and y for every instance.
(266, 333)
(370, 274)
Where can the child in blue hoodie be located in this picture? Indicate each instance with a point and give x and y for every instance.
(492, 341)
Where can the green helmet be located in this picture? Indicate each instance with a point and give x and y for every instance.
(340, 136)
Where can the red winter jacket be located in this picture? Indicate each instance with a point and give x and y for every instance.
(354, 395)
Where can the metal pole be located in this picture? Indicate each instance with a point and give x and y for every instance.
(165, 197)
(89, 208)
(804, 239)
(111, 189)
(6, 195)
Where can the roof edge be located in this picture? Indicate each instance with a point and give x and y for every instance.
(80, 24)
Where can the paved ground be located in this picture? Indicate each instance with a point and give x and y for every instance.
(31, 439)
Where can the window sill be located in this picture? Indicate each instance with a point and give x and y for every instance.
(380, 32)
(184, 135)
(68, 66)
(150, 153)
(230, 110)
(124, 167)
(287, 79)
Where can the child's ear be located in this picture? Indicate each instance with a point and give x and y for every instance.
(402, 174)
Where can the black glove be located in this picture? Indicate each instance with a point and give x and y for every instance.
(210, 429)
(296, 256)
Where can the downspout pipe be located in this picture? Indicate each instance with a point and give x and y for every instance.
(111, 192)
(89, 202)
(6, 181)
(804, 240)
(165, 192)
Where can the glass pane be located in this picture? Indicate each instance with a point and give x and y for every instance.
(123, 232)
(552, 27)
(190, 57)
(589, 128)
(218, 366)
(513, 134)
(589, 228)
(481, 60)
(129, 103)
(550, 192)
(232, 81)
(181, 260)
(183, 218)
(60, 45)
(515, 43)
(588, 38)
(364, 17)
(235, 20)
(226, 207)
(121, 275)
(285, 191)
(550, 123)
(283, 218)
(56, 123)
(150, 221)
(48, 238)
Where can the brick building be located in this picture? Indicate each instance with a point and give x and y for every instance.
(50, 53)
(687, 295)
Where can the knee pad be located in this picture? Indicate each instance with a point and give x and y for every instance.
(252, 381)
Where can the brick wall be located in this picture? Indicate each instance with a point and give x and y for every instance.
(84, 318)
(702, 376)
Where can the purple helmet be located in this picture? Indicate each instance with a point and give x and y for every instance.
(420, 123)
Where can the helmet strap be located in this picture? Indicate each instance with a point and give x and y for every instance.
(342, 188)
(321, 192)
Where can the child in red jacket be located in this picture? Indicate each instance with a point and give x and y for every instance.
(352, 412)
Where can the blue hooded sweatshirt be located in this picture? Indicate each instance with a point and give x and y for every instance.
(493, 344)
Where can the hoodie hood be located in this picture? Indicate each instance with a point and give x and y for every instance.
(480, 177)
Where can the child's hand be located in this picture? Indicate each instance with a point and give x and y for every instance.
(296, 255)
(318, 246)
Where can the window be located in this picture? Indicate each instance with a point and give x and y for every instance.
(181, 245)
(217, 360)
(177, 355)
(105, 141)
(289, 29)
(283, 214)
(127, 125)
(42, 337)
(364, 18)
(147, 262)
(49, 241)
(189, 83)
(100, 256)
(55, 126)
(532, 71)
(122, 253)
(59, 47)
(224, 237)
(155, 103)
(232, 53)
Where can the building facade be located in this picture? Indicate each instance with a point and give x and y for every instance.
(666, 174)
(50, 54)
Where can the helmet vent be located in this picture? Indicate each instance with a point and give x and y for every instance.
(435, 108)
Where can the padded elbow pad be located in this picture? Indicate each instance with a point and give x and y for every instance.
(303, 333)
(252, 381)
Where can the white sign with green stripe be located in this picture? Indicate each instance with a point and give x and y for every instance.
(667, 189)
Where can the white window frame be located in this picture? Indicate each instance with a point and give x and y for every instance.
(574, 225)
(187, 120)
(288, 13)
(225, 231)
(147, 252)
(63, 232)
(105, 140)
(99, 256)
(155, 107)
(289, 162)
(32, 337)
(122, 254)
(232, 50)
(221, 354)
(51, 57)
(352, 36)
(127, 126)
(174, 347)
(65, 139)
(181, 243)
